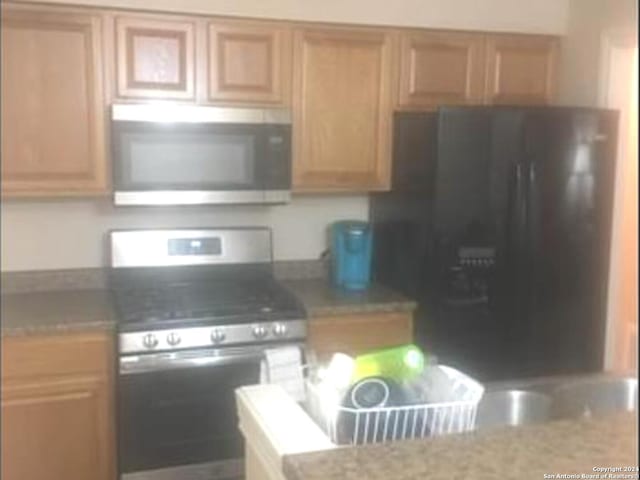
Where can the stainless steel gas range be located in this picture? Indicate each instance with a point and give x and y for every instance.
(196, 310)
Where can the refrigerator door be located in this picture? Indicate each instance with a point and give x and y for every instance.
(469, 235)
(571, 155)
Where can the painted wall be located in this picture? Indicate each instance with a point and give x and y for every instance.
(597, 70)
(580, 71)
(71, 234)
(539, 16)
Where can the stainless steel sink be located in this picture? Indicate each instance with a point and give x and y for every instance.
(594, 397)
(512, 407)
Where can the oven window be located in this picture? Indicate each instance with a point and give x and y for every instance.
(181, 416)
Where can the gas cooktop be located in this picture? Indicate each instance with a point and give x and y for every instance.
(205, 303)
(177, 289)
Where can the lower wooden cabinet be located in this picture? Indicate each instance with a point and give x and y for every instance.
(57, 409)
(358, 333)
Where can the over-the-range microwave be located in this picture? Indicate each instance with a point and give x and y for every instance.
(165, 154)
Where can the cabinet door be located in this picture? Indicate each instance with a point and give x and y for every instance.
(342, 109)
(53, 105)
(249, 63)
(359, 333)
(520, 69)
(155, 58)
(56, 429)
(441, 68)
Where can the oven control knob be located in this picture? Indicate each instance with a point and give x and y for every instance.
(173, 339)
(280, 330)
(150, 340)
(217, 336)
(260, 331)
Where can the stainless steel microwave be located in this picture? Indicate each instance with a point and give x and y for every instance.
(188, 155)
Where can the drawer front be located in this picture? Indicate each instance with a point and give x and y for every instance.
(63, 354)
(356, 334)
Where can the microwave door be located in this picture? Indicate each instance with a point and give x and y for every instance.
(168, 163)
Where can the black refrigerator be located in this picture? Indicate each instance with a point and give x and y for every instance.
(498, 223)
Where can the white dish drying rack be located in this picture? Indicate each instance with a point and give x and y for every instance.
(449, 402)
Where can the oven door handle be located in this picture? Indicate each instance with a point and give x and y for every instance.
(150, 362)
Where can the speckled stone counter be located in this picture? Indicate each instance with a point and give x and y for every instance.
(72, 308)
(320, 298)
(55, 312)
(529, 452)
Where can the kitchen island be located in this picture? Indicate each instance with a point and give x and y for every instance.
(556, 449)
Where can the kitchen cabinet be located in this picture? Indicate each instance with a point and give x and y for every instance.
(521, 69)
(441, 68)
(342, 109)
(155, 57)
(358, 333)
(53, 103)
(249, 62)
(57, 414)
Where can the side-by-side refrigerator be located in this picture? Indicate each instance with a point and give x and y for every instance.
(498, 223)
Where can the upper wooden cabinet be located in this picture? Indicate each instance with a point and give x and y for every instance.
(520, 69)
(342, 109)
(155, 58)
(57, 407)
(53, 105)
(249, 62)
(441, 68)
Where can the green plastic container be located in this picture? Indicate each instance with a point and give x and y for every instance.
(398, 363)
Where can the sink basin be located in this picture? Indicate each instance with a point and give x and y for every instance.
(512, 407)
(594, 397)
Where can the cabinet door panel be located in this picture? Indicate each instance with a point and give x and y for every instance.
(56, 430)
(155, 58)
(358, 333)
(441, 68)
(520, 69)
(342, 110)
(53, 105)
(249, 62)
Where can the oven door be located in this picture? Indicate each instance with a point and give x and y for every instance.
(178, 409)
(199, 155)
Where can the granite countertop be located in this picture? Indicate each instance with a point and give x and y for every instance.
(78, 310)
(559, 447)
(320, 298)
(55, 312)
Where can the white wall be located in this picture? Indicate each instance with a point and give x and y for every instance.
(70, 234)
(534, 16)
(580, 71)
(596, 71)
